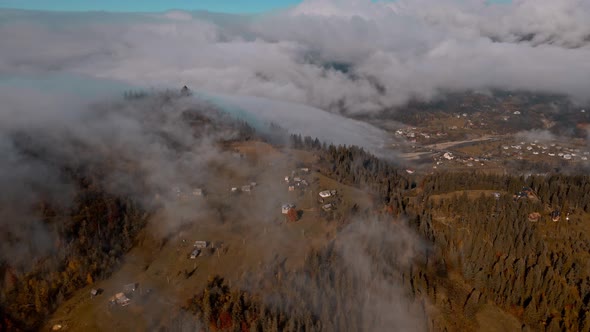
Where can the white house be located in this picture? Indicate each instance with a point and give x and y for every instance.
(325, 194)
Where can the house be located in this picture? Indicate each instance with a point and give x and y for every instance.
(197, 192)
(287, 179)
(286, 207)
(555, 215)
(195, 253)
(129, 288)
(291, 188)
(448, 156)
(297, 179)
(234, 189)
(121, 299)
(304, 170)
(327, 207)
(497, 195)
(246, 188)
(534, 217)
(201, 244)
(410, 171)
(325, 194)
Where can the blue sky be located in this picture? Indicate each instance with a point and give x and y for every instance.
(227, 6)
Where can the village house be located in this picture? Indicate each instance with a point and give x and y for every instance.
(555, 215)
(534, 217)
(286, 207)
(201, 244)
(448, 156)
(121, 299)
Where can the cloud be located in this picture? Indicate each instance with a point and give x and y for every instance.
(350, 56)
(537, 135)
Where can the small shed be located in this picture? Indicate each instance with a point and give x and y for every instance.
(195, 253)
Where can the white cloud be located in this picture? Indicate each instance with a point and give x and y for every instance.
(337, 55)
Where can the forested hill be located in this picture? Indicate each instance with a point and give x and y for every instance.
(437, 251)
(479, 244)
(77, 195)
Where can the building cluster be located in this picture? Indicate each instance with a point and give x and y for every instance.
(328, 199)
(464, 160)
(555, 216)
(553, 150)
(184, 195)
(297, 180)
(248, 188)
(414, 135)
(200, 246)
